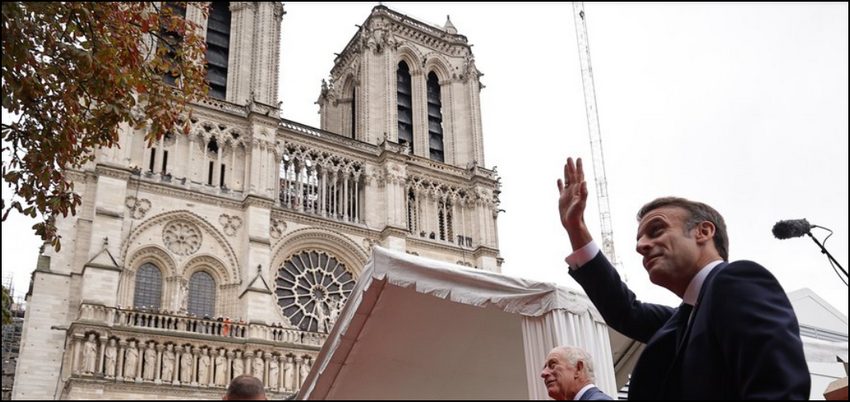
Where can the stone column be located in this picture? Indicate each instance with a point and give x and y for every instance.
(187, 164)
(205, 173)
(103, 340)
(345, 178)
(298, 380)
(158, 370)
(140, 360)
(233, 147)
(76, 353)
(323, 191)
(217, 167)
(119, 369)
(357, 197)
(275, 173)
(195, 357)
(299, 185)
(229, 375)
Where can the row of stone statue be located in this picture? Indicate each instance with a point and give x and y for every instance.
(188, 365)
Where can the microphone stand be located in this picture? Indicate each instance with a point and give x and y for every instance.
(828, 255)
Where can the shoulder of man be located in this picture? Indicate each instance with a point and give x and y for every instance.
(740, 270)
(738, 281)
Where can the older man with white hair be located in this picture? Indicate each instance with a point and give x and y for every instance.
(568, 375)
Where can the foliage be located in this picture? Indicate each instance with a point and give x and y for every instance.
(72, 73)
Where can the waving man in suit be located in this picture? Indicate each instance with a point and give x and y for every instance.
(735, 335)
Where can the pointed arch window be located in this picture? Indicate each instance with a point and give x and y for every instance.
(171, 40)
(218, 48)
(435, 119)
(412, 213)
(405, 110)
(201, 294)
(148, 289)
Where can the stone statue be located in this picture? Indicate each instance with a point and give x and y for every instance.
(220, 369)
(334, 315)
(184, 297)
(131, 361)
(204, 368)
(258, 366)
(238, 365)
(89, 356)
(322, 318)
(289, 374)
(149, 371)
(168, 363)
(304, 370)
(186, 365)
(111, 354)
(274, 372)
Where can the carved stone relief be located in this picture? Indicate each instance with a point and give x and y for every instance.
(137, 207)
(277, 228)
(230, 224)
(182, 237)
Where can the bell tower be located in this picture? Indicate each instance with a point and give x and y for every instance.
(405, 81)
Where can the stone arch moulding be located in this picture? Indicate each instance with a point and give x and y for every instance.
(349, 80)
(151, 253)
(439, 65)
(147, 253)
(412, 57)
(212, 266)
(229, 258)
(340, 246)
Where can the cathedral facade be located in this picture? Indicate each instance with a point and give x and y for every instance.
(232, 249)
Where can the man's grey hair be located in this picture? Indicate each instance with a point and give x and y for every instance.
(574, 354)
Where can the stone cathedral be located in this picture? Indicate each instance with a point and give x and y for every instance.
(231, 250)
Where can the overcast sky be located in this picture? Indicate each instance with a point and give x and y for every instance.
(741, 106)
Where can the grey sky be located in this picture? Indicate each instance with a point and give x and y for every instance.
(743, 107)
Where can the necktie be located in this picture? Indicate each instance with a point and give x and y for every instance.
(682, 322)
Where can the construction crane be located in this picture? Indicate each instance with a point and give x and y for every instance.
(595, 135)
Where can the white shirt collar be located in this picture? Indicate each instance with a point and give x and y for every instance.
(582, 391)
(692, 292)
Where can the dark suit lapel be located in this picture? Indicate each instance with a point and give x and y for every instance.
(693, 316)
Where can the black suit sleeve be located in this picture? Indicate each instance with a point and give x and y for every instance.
(617, 304)
(758, 333)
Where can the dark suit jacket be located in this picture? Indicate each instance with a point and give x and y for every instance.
(743, 341)
(594, 394)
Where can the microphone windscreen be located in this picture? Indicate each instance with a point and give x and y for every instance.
(791, 228)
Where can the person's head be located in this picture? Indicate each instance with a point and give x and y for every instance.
(245, 387)
(566, 371)
(677, 237)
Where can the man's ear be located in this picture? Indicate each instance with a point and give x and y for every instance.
(579, 366)
(705, 231)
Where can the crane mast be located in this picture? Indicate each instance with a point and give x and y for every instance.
(595, 135)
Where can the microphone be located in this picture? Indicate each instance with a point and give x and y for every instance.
(791, 228)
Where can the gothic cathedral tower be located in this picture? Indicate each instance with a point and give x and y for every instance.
(231, 250)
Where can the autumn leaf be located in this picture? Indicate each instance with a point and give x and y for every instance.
(71, 73)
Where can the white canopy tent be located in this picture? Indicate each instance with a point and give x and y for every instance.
(415, 328)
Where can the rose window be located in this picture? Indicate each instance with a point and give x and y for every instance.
(181, 237)
(311, 287)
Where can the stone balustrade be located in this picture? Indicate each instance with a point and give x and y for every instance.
(128, 345)
(176, 324)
